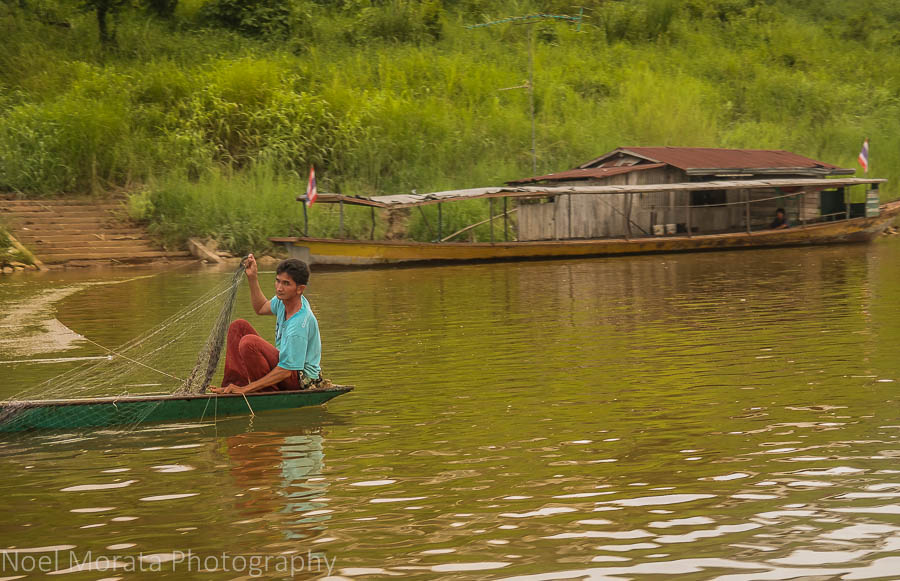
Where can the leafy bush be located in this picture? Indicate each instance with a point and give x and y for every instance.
(402, 21)
(139, 206)
(250, 111)
(260, 18)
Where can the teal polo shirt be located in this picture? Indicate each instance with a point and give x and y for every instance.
(297, 339)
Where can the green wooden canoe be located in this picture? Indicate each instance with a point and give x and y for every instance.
(18, 416)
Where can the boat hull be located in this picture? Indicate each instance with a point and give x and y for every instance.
(368, 253)
(109, 411)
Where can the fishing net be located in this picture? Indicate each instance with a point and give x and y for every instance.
(153, 362)
(208, 358)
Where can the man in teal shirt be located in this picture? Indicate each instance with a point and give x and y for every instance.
(252, 363)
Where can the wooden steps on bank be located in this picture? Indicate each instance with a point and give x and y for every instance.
(61, 231)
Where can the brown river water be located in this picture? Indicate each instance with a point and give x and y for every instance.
(730, 416)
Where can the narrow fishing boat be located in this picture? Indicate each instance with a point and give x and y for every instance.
(630, 201)
(17, 416)
(54, 405)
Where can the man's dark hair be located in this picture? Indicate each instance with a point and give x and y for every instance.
(779, 210)
(296, 269)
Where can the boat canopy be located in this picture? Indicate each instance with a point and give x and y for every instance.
(411, 200)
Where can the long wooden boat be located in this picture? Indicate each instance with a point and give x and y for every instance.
(367, 253)
(19, 416)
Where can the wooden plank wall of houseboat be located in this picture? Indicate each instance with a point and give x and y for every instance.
(723, 218)
(602, 216)
(810, 206)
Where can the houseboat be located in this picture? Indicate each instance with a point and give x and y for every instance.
(634, 200)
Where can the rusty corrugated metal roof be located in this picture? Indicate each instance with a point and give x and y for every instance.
(688, 158)
(410, 200)
(587, 173)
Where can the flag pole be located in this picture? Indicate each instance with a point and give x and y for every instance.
(863, 160)
(305, 219)
(866, 172)
(309, 199)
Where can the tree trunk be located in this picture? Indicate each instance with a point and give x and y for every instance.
(102, 23)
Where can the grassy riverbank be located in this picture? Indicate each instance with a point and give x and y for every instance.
(214, 113)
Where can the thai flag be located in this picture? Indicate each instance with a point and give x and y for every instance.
(864, 156)
(311, 191)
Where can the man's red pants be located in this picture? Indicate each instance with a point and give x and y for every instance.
(249, 357)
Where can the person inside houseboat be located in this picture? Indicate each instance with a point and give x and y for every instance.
(252, 363)
(780, 222)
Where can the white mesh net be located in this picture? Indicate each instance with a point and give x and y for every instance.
(147, 360)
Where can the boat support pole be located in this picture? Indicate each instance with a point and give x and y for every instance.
(305, 220)
(440, 222)
(847, 201)
(505, 221)
(747, 212)
(491, 206)
(690, 227)
(630, 208)
(803, 209)
(425, 219)
(341, 223)
(372, 233)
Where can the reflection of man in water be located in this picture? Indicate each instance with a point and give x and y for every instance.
(780, 222)
(274, 468)
(251, 362)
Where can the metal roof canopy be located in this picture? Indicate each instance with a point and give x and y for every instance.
(323, 198)
(412, 200)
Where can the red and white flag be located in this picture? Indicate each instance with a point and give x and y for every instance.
(311, 191)
(864, 156)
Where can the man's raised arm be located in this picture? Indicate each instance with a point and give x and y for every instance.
(257, 298)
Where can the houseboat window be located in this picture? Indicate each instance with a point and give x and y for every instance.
(708, 197)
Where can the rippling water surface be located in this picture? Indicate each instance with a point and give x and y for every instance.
(727, 416)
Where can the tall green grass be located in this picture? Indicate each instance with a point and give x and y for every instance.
(241, 210)
(244, 209)
(386, 97)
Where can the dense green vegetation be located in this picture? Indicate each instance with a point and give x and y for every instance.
(210, 112)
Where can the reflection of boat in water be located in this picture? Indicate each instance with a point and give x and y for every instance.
(630, 201)
(110, 411)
